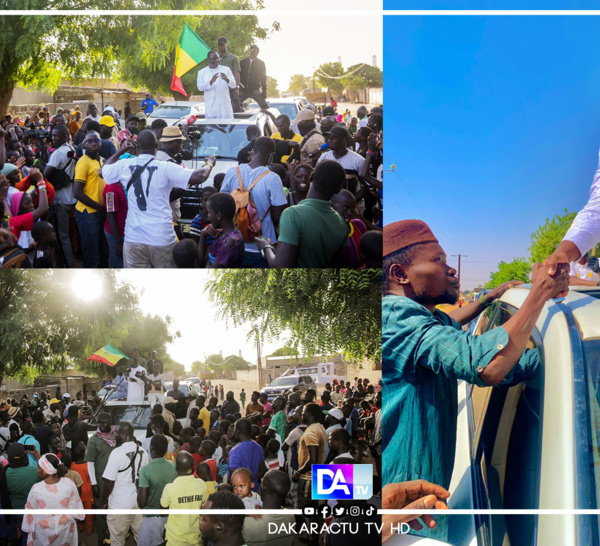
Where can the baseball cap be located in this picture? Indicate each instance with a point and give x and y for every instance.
(336, 412)
(376, 110)
(109, 121)
(304, 115)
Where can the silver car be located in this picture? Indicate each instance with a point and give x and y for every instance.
(223, 138)
(534, 445)
(172, 112)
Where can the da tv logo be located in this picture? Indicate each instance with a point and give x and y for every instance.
(342, 481)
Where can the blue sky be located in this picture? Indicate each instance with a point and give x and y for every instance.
(492, 4)
(493, 124)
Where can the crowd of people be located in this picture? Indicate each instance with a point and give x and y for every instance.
(67, 452)
(107, 189)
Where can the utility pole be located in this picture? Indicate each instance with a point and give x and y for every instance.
(258, 357)
(459, 256)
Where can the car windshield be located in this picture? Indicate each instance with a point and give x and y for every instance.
(138, 415)
(221, 140)
(290, 110)
(284, 382)
(171, 112)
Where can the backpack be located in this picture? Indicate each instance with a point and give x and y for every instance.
(246, 215)
(59, 177)
(11, 255)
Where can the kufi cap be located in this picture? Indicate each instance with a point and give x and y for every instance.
(405, 233)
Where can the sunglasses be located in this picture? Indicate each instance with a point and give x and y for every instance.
(92, 140)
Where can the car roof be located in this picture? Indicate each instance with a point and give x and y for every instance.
(125, 403)
(241, 118)
(179, 103)
(583, 301)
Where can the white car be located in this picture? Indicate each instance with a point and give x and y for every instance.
(532, 446)
(223, 138)
(290, 106)
(172, 112)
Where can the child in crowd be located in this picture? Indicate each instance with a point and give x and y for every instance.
(185, 254)
(227, 248)
(344, 204)
(207, 450)
(371, 249)
(203, 472)
(223, 462)
(201, 220)
(195, 443)
(271, 455)
(44, 237)
(215, 437)
(301, 176)
(81, 467)
(242, 482)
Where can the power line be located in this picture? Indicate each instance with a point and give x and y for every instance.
(420, 206)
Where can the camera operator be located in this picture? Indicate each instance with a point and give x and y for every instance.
(60, 171)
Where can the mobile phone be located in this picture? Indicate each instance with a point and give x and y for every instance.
(29, 448)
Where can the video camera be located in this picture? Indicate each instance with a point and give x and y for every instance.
(39, 132)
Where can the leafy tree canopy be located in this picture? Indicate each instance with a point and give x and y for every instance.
(298, 82)
(272, 89)
(323, 311)
(44, 327)
(547, 237)
(331, 69)
(36, 52)
(517, 270)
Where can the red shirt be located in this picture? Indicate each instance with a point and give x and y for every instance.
(197, 459)
(118, 206)
(213, 468)
(24, 222)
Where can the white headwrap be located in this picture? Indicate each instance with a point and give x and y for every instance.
(46, 465)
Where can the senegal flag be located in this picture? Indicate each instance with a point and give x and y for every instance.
(108, 355)
(191, 51)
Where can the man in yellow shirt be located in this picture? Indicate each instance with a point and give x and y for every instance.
(285, 132)
(89, 210)
(186, 493)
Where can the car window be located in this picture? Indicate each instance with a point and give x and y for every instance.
(308, 379)
(221, 140)
(170, 112)
(506, 447)
(592, 380)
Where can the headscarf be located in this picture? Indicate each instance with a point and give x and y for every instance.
(109, 438)
(46, 465)
(15, 203)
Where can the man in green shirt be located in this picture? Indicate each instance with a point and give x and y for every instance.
(279, 418)
(153, 478)
(233, 63)
(20, 475)
(98, 450)
(312, 234)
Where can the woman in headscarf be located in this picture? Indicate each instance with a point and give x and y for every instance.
(54, 493)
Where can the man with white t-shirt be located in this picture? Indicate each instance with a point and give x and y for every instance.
(149, 233)
(349, 160)
(63, 159)
(267, 195)
(120, 484)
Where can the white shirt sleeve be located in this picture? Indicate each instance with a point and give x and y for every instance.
(92, 472)
(203, 80)
(112, 174)
(585, 229)
(277, 195)
(178, 176)
(229, 75)
(112, 467)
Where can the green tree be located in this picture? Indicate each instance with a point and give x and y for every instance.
(354, 82)
(36, 52)
(286, 350)
(547, 237)
(298, 83)
(324, 311)
(517, 270)
(334, 86)
(371, 75)
(44, 327)
(272, 89)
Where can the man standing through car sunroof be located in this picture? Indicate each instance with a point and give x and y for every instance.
(233, 63)
(426, 352)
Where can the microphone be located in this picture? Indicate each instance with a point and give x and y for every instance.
(71, 154)
(324, 147)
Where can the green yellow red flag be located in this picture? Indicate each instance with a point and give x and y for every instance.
(191, 51)
(108, 355)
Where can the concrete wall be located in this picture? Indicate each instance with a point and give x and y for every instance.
(251, 376)
(70, 384)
